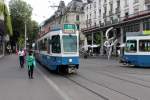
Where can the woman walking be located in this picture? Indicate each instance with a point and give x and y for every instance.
(30, 64)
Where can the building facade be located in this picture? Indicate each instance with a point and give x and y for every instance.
(123, 15)
(72, 13)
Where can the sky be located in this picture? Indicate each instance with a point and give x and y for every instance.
(41, 8)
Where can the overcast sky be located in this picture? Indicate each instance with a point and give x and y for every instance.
(41, 9)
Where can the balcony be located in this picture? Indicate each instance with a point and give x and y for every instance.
(102, 24)
(147, 1)
(115, 21)
(108, 23)
(137, 15)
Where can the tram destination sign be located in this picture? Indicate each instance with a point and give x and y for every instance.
(69, 28)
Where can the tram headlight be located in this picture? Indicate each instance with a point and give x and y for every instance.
(70, 60)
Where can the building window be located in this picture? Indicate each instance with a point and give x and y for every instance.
(126, 14)
(136, 1)
(90, 16)
(99, 2)
(94, 5)
(87, 17)
(136, 9)
(118, 3)
(146, 25)
(90, 6)
(95, 24)
(77, 18)
(148, 7)
(95, 14)
(105, 10)
(126, 3)
(99, 12)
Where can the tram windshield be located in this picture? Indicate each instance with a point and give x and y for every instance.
(131, 46)
(69, 43)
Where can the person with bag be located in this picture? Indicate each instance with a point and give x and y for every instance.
(31, 64)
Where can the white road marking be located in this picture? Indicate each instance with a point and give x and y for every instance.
(61, 93)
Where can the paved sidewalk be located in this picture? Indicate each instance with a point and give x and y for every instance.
(15, 85)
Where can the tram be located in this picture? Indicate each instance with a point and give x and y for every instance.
(137, 50)
(58, 50)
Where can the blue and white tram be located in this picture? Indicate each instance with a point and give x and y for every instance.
(137, 51)
(59, 51)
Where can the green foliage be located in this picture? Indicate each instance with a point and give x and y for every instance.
(7, 19)
(20, 13)
(8, 24)
(97, 38)
(32, 31)
(21, 41)
(1, 8)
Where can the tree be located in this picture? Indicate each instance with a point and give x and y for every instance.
(20, 13)
(21, 41)
(97, 38)
(7, 20)
(32, 31)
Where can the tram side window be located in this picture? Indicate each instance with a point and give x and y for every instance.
(48, 46)
(56, 44)
(45, 44)
(144, 45)
(40, 45)
(131, 46)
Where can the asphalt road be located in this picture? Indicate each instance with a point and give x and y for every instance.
(96, 79)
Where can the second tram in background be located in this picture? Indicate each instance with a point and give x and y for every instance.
(137, 50)
(58, 50)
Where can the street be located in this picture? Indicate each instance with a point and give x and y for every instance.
(96, 79)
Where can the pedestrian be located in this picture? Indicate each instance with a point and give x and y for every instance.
(21, 58)
(31, 64)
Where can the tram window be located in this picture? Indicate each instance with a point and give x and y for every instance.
(131, 46)
(48, 46)
(56, 44)
(45, 44)
(144, 45)
(70, 43)
(40, 45)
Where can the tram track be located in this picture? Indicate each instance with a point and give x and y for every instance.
(113, 75)
(122, 79)
(105, 86)
(86, 88)
(98, 84)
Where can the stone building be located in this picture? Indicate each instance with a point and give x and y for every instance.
(123, 15)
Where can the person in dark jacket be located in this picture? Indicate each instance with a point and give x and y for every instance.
(31, 64)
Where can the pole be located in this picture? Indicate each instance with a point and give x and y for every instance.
(25, 36)
(92, 42)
